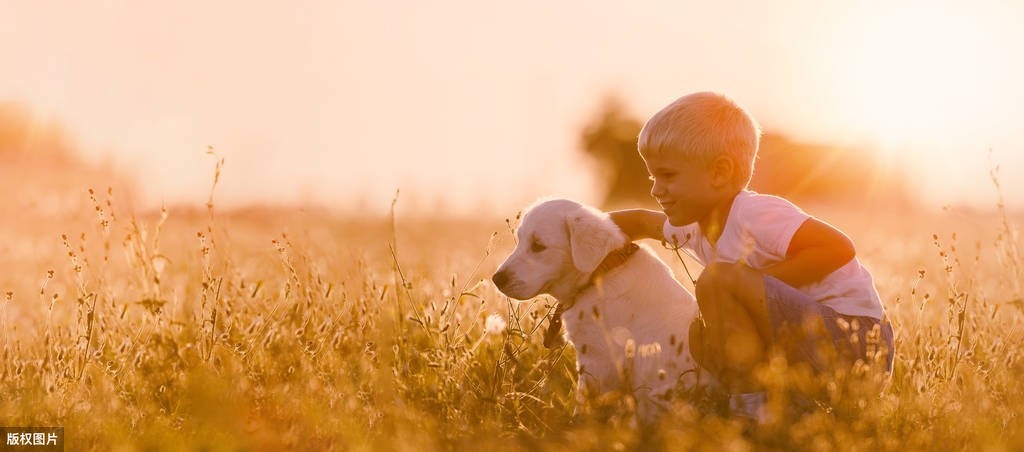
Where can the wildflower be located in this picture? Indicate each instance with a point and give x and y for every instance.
(494, 324)
(159, 263)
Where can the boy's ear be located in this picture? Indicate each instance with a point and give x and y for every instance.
(723, 171)
(590, 240)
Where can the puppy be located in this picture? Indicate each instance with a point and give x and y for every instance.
(624, 311)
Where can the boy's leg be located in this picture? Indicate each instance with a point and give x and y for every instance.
(734, 337)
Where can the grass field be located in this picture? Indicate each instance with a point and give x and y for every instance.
(286, 328)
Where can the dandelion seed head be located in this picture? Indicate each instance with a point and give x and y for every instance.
(494, 324)
(159, 263)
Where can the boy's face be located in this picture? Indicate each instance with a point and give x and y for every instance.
(686, 189)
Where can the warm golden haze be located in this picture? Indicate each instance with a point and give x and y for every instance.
(331, 291)
(335, 103)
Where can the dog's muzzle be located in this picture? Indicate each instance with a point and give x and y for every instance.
(501, 280)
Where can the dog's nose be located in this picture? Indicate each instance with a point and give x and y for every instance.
(500, 279)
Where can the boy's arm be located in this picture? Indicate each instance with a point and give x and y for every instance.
(640, 223)
(816, 250)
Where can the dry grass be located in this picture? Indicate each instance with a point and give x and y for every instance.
(293, 329)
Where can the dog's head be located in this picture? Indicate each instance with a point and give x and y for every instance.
(561, 243)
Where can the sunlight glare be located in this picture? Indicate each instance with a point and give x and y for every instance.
(916, 75)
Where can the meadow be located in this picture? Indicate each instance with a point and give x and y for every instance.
(284, 328)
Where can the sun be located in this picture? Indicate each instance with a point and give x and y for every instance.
(913, 76)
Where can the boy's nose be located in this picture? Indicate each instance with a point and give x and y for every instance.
(657, 190)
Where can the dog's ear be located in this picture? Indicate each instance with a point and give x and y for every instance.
(591, 238)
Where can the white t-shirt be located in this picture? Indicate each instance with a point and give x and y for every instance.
(757, 232)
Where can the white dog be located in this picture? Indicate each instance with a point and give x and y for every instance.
(624, 311)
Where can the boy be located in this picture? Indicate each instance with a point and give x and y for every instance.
(775, 278)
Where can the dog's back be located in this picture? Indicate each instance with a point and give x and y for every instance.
(631, 332)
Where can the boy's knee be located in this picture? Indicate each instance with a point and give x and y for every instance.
(724, 285)
(707, 285)
(726, 272)
(720, 276)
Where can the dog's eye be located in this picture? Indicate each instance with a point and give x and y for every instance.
(537, 247)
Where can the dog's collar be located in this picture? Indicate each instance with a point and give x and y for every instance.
(552, 337)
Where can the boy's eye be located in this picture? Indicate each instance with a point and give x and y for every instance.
(537, 247)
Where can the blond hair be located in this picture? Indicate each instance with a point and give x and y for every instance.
(703, 126)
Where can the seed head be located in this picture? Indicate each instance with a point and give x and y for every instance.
(494, 324)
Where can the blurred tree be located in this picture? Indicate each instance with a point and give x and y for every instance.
(22, 136)
(797, 171)
(610, 139)
(41, 172)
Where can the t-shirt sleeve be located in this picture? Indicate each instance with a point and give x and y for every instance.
(771, 222)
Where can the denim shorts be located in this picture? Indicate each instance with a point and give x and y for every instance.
(793, 317)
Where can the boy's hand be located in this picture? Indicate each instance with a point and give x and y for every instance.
(816, 250)
(640, 223)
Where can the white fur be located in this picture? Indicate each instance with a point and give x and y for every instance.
(631, 328)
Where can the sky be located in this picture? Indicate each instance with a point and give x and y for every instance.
(471, 105)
